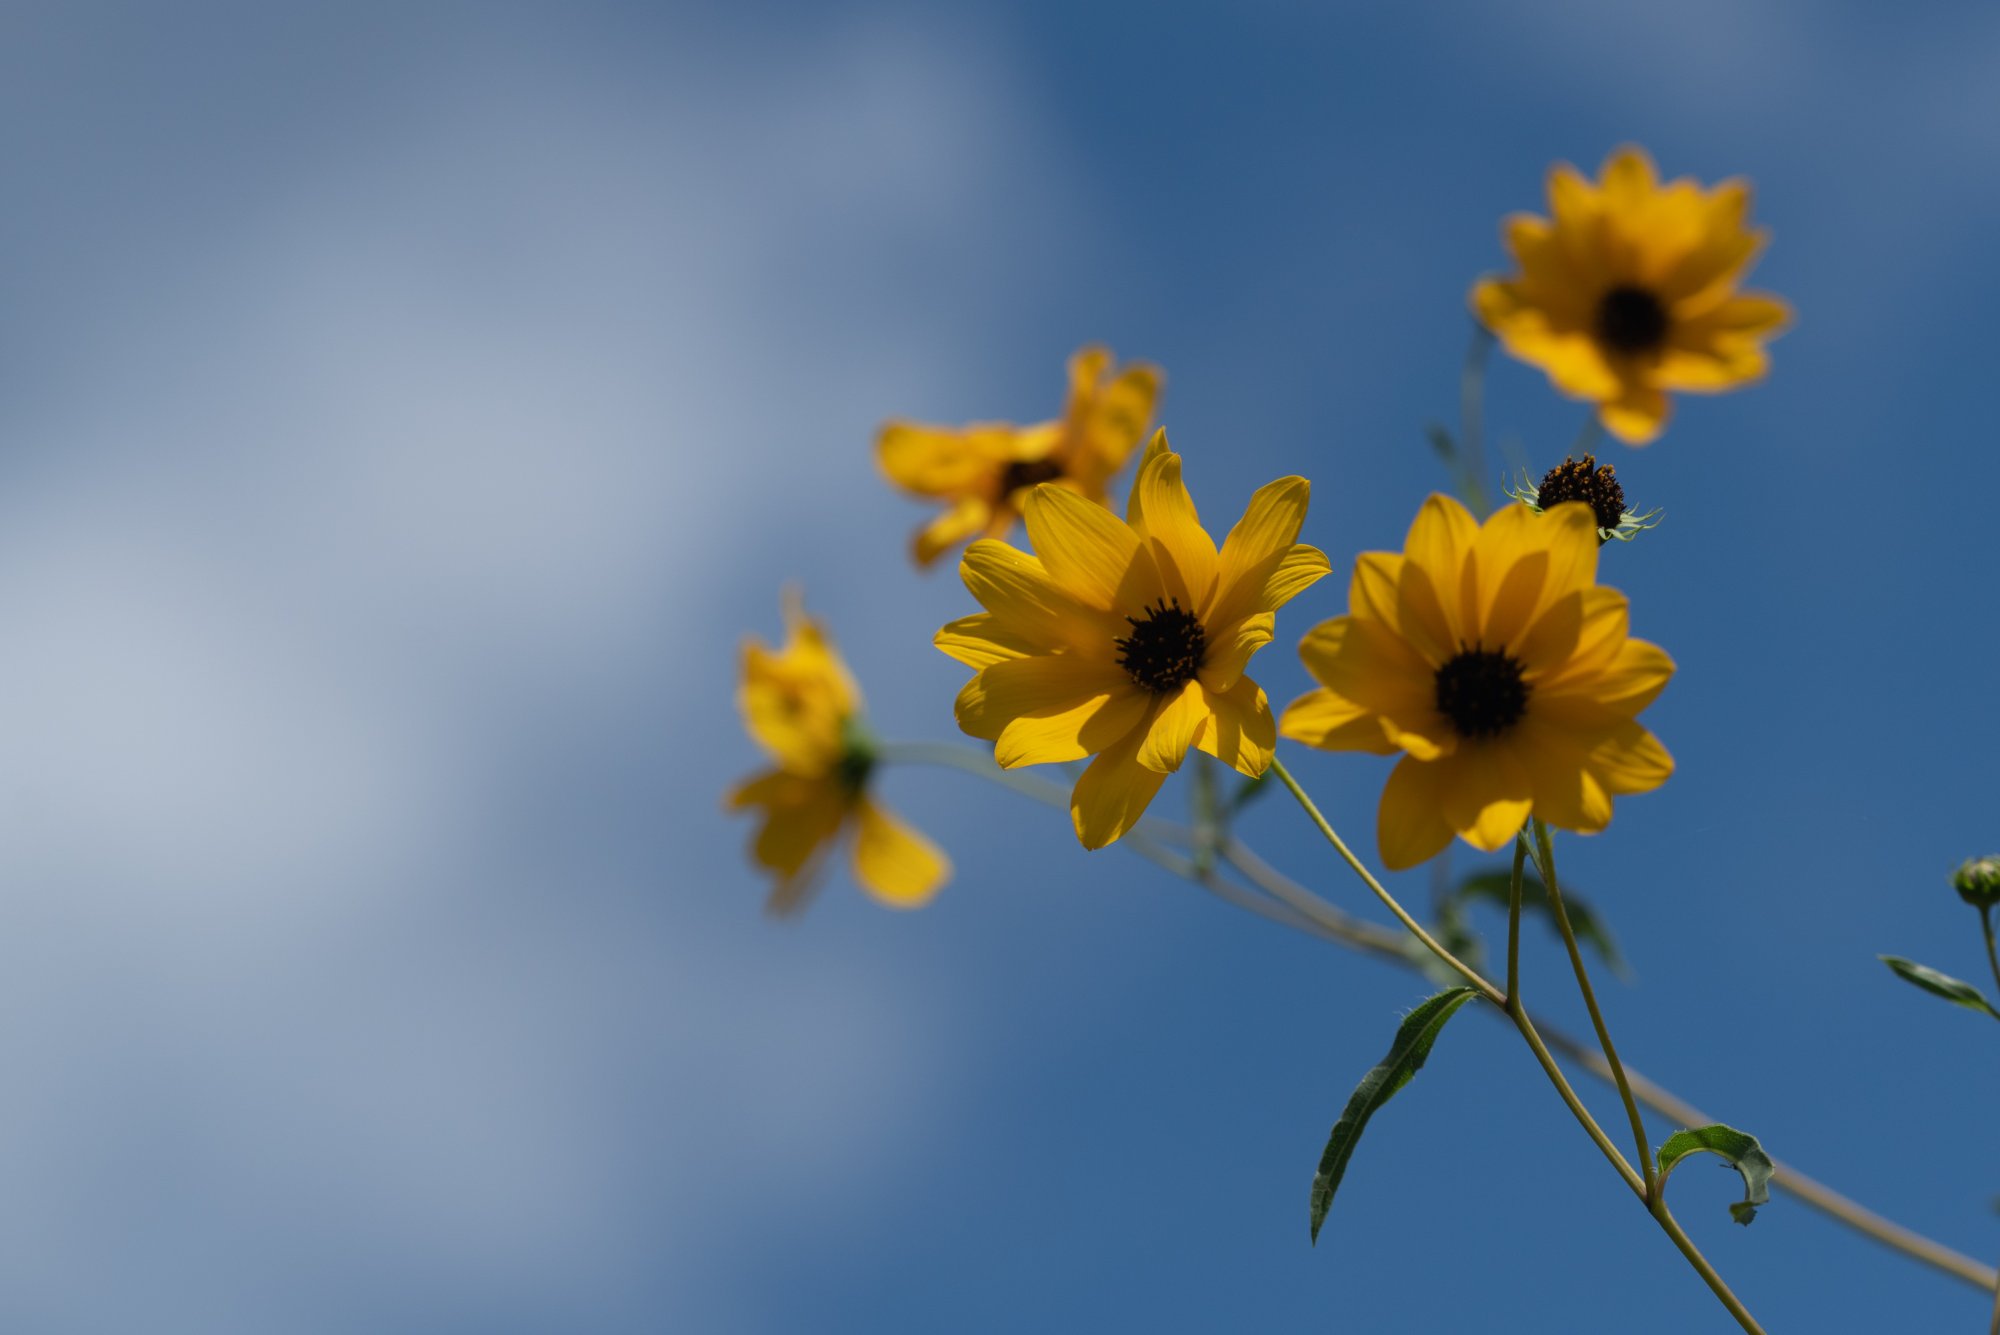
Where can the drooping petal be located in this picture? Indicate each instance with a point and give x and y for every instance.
(893, 862)
(1297, 570)
(1178, 720)
(1333, 723)
(1630, 760)
(1487, 794)
(1241, 732)
(1113, 793)
(1090, 552)
(793, 839)
(1410, 827)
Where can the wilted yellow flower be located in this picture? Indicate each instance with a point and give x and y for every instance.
(1127, 639)
(983, 471)
(1490, 657)
(1629, 289)
(801, 706)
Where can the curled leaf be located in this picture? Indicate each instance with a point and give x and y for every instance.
(1739, 1149)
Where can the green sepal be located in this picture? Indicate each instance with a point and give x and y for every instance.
(1739, 1149)
(1954, 990)
(1414, 1037)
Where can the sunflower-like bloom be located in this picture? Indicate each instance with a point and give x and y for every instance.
(802, 707)
(1629, 289)
(1126, 640)
(1491, 659)
(983, 471)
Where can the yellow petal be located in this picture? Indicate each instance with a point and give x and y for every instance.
(1089, 552)
(893, 862)
(1556, 659)
(1043, 686)
(1177, 720)
(1567, 794)
(1410, 826)
(1332, 722)
(934, 461)
(1297, 570)
(1018, 590)
(981, 640)
(1241, 732)
(954, 526)
(1487, 794)
(1637, 415)
(1631, 760)
(1370, 665)
(1113, 793)
(792, 841)
(1628, 178)
(1230, 647)
(1082, 729)
(1108, 420)
(1252, 552)
(1183, 550)
(1438, 543)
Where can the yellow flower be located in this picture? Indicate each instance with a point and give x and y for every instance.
(984, 470)
(1490, 657)
(1127, 640)
(1631, 290)
(801, 706)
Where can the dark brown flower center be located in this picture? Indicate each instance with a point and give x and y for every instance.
(1026, 473)
(1165, 647)
(1631, 320)
(1481, 692)
(1573, 480)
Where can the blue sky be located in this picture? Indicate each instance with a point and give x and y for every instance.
(410, 408)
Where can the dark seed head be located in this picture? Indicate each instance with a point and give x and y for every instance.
(1584, 481)
(1165, 647)
(1631, 320)
(1481, 692)
(1026, 473)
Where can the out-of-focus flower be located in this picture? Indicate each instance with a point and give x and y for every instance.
(1629, 289)
(1492, 660)
(801, 705)
(1598, 487)
(1977, 881)
(982, 472)
(1126, 639)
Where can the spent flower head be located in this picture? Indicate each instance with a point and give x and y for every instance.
(1596, 486)
(1977, 881)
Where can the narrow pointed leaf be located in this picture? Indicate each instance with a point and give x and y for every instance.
(1414, 1038)
(1940, 984)
(1739, 1149)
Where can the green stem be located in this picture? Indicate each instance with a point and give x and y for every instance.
(1514, 926)
(1659, 1211)
(1472, 419)
(1986, 924)
(1548, 869)
(1589, 438)
(1464, 970)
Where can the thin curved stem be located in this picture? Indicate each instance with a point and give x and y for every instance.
(1658, 1208)
(1464, 970)
(1304, 911)
(1986, 925)
(1548, 869)
(1514, 926)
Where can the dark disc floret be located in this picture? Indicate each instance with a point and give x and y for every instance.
(1026, 473)
(1481, 692)
(1574, 480)
(1631, 320)
(1165, 647)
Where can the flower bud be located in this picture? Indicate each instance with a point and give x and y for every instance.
(1977, 881)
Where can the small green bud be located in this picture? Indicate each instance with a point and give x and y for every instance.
(1977, 881)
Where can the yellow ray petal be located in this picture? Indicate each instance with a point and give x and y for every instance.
(1334, 723)
(1081, 730)
(1487, 794)
(1183, 550)
(1024, 599)
(1438, 541)
(983, 639)
(1230, 647)
(960, 522)
(935, 461)
(1090, 552)
(1630, 760)
(1178, 719)
(1113, 793)
(1410, 827)
(1567, 794)
(1241, 732)
(1637, 415)
(893, 862)
(1254, 549)
(1039, 687)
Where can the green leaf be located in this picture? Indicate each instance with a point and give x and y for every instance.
(1739, 1149)
(1249, 790)
(1940, 984)
(1414, 1037)
(1590, 928)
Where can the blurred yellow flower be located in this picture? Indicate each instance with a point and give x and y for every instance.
(1490, 657)
(1630, 290)
(802, 707)
(1127, 640)
(983, 471)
